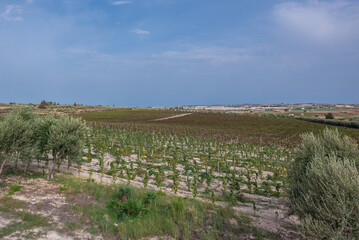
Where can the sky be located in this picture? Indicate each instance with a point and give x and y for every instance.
(179, 52)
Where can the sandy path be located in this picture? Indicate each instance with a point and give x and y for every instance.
(165, 118)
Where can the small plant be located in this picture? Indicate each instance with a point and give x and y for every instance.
(150, 198)
(178, 207)
(14, 188)
(125, 202)
(125, 193)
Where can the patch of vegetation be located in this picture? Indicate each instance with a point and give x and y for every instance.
(27, 174)
(131, 213)
(25, 136)
(14, 188)
(323, 185)
(250, 129)
(26, 221)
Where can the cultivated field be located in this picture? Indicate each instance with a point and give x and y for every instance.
(249, 129)
(198, 175)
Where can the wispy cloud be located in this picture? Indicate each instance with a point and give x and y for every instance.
(140, 31)
(81, 52)
(215, 55)
(319, 21)
(121, 2)
(12, 13)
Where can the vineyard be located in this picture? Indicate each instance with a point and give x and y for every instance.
(186, 164)
(126, 115)
(250, 129)
(211, 160)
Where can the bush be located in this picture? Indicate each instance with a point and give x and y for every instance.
(329, 116)
(126, 202)
(16, 136)
(323, 186)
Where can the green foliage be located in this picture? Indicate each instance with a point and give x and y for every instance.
(334, 122)
(178, 207)
(167, 216)
(16, 136)
(67, 137)
(63, 136)
(42, 132)
(125, 202)
(249, 129)
(323, 185)
(125, 191)
(14, 188)
(329, 116)
(23, 136)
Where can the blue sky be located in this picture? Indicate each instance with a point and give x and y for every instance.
(178, 52)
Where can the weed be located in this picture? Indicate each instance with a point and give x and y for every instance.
(14, 188)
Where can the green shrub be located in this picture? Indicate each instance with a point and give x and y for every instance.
(14, 188)
(133, 207)
(126, 202)
(329, 116)
(16, 137)
(151, 196)
(323, 186)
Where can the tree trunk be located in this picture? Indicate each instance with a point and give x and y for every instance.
(2, 165)
(51, 170)
(27, 166)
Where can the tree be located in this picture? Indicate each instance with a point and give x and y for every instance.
(43, 104)
(16, 136)
(65, 140)
(329, 116)
(24, 136)
(42, 134)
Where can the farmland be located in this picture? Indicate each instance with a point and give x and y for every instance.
(251, 129)
(171, 166)
(126, 115)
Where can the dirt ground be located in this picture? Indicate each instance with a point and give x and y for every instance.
(44, 198)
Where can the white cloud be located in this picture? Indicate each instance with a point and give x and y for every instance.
(140, 31)
(12, 13)
(213, 54)
(121, 2)
(321, 22)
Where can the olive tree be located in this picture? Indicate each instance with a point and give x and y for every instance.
(24, 136)
(323, 186)
(41, 134)
(16, 137)
(65, 140)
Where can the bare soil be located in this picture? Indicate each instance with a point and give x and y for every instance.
(45, 198)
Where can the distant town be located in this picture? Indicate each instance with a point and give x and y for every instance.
(267, 107)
